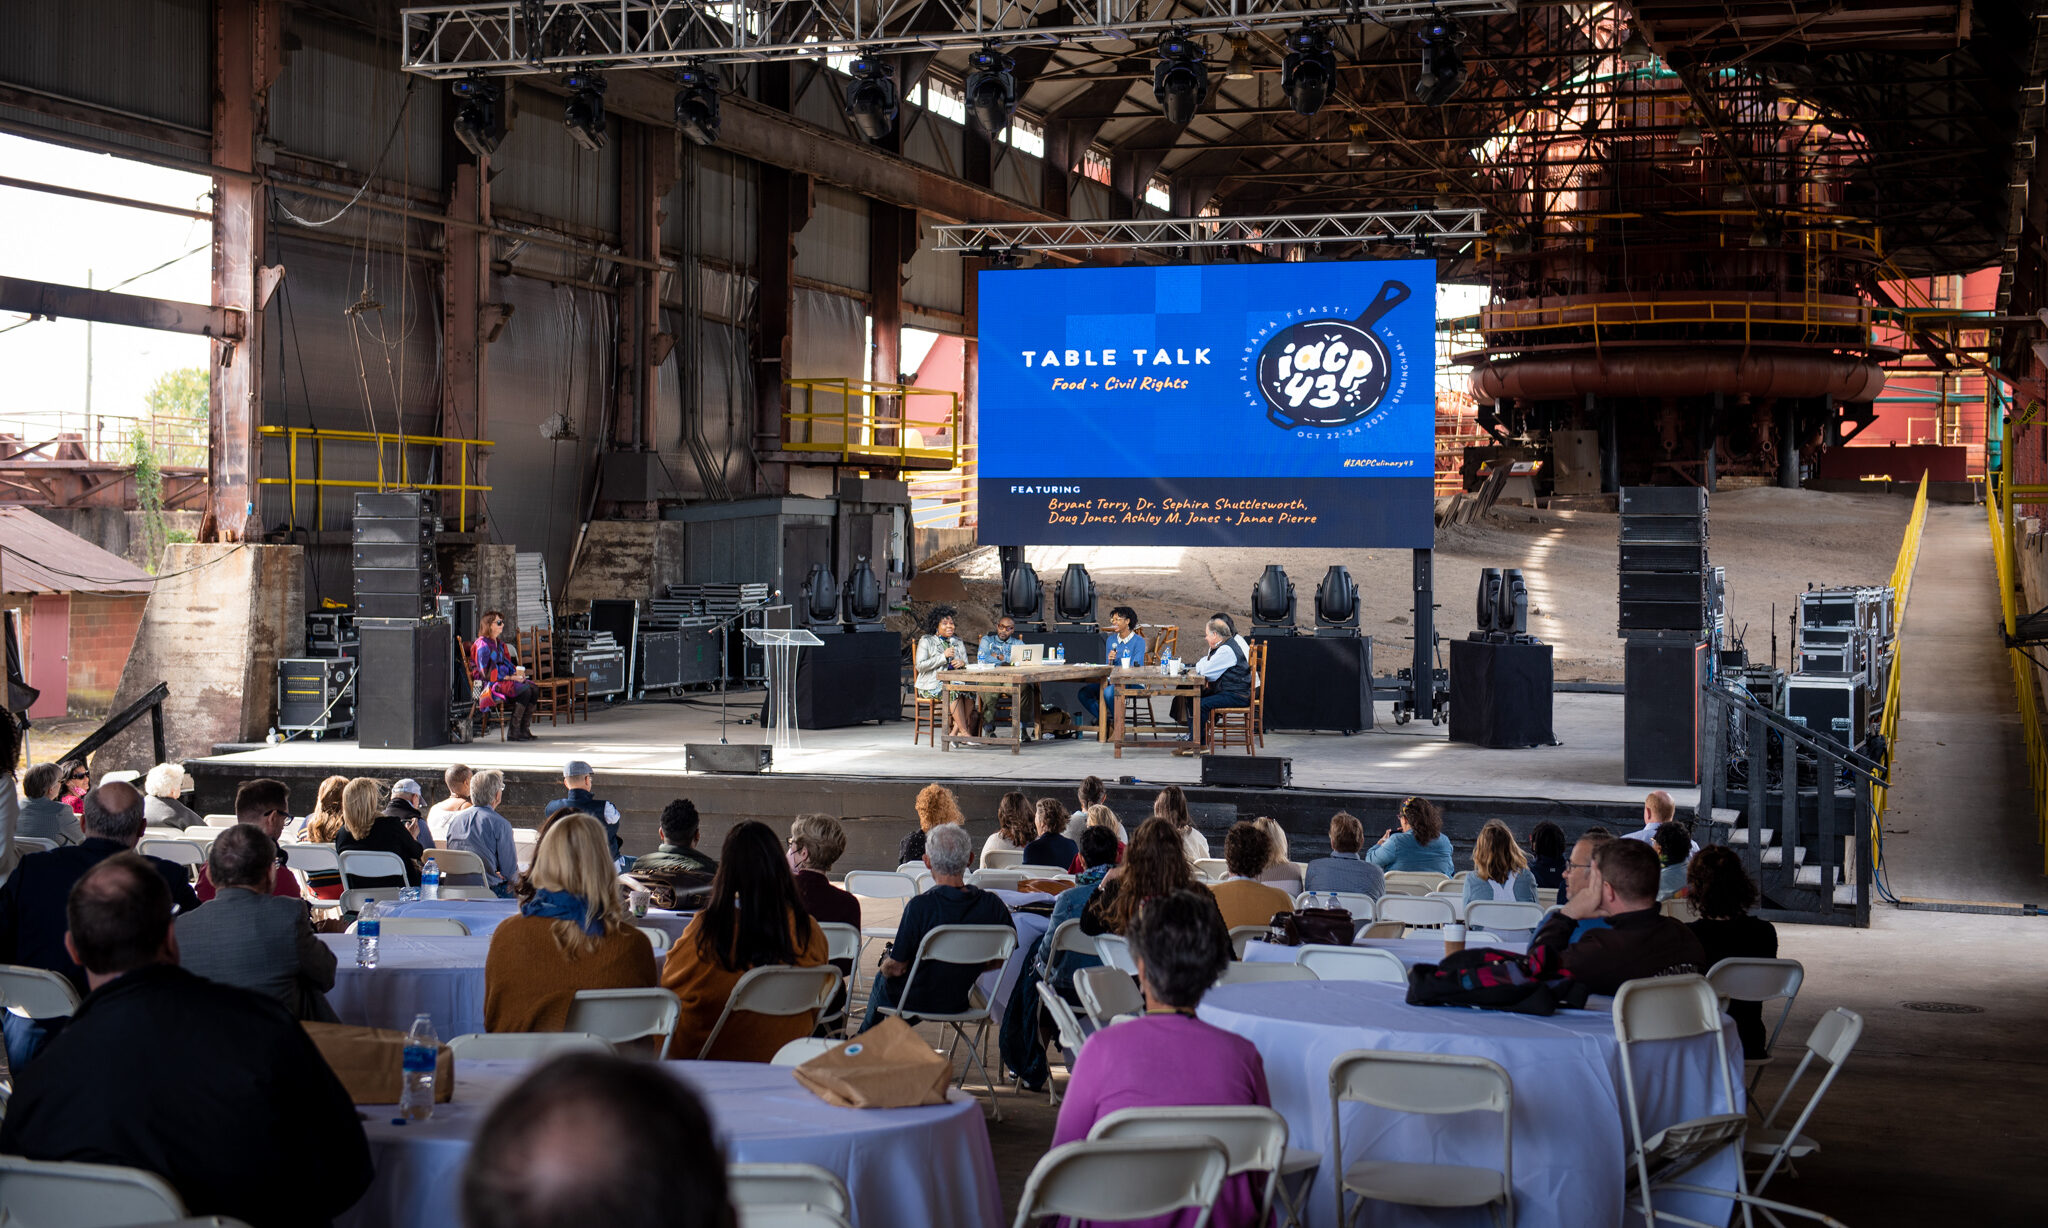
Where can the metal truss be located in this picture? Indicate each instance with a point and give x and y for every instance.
(1410, 225)
(524, 37)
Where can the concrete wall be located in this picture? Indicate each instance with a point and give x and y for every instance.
(116, 531)
(213, 629)
(626, 560)
(493, 575)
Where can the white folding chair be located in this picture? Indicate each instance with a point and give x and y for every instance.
(776, 989)
(1361, 906)
(1068, 1034)
(221, 820)
(788, 1217)
(622, 1015)
(909, 867)
(882, 885)
(1254, 1138)
(925, 882)
(1434, 1083)
(1758, 980)
(1416, 910)
(312, 858)
(1352, 964)
(1240, 972)
(359, 864)
(468, 893)
(1674, 1008)
(33, 844)
(1502, 915)
(997, 859)
(803, 1049)
(657, 937)
(37, 993)
(973, 945)
(1829, 1044)
(996, 880)
(352, 900)
(1068, 939)
(418, 927)
(1124, 1179)
(35, 1192)
(752, 1187)
(1549, 897)
(843, 941)
(456, 862)
(1115, 951)
(1413, 882)
(179, 851)
(522, 1046)
(1107, 994)
(1031, 870)
(1212, 869)
(1242, 935)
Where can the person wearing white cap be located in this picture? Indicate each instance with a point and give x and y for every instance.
(161, 807)
(404, 805)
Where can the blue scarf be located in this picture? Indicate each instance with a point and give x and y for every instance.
(560, 906)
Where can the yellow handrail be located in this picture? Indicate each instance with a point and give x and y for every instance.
(1902, 587)
(1998, 507)
(293, 435)
(866, 428)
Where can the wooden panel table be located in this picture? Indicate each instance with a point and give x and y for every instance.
(1004, 680)
(1148, 681)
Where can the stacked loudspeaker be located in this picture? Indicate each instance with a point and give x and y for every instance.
(1668, 609)
(408, 653)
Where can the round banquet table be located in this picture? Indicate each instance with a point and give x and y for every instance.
(443, 977)
(1570, 1125)
(901, 1166)
(1410, 951)
(484, 916)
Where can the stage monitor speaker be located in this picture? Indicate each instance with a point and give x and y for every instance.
(1501, 694)
(1248, 771)
(402, 687)
(1661, 712)
(729, 760)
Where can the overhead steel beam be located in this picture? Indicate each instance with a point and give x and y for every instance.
(1278, 229)
(45, 300)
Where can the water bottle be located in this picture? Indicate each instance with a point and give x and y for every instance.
(416, 1093)
(367, 928)
(430, 881)
(1060, 654)
(1333, 901)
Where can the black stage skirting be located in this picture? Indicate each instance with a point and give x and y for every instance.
(848, 679)
(1319, 682)
(1500, 694)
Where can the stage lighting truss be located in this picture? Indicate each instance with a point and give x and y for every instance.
(1310, 68)
(1410, 226)
(540, 37)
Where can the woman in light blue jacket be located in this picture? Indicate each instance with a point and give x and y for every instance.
(1499, 870)
(1420, 844)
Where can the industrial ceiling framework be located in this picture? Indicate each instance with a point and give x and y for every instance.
(1420, 229)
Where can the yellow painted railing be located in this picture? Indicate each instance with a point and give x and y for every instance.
(294, 436)
(1902, 587)
(1999, 498)
(1749, 314)
(860, 420)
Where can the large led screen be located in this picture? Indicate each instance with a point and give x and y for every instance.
(1208, 405)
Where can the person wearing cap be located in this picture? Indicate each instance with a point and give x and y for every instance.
(405, 803)
(576, 779)
(161, 807)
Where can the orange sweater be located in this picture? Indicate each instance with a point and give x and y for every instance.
(703, 985)
(529, 981)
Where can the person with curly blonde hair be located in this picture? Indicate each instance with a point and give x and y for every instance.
(936, 807)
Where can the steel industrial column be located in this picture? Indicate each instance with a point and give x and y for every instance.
(466, 281)
(1788, 444)
(245, 62)
(887, 251)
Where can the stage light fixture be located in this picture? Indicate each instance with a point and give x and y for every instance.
(1240, 68)
(1732, 193)
(1688, 135)
(1634, 52)
(871, 98)
(1357, 146)
(1074, 601)
(1310, 68)
(697, 104)
(1024, 598)
(1273, 604)
(1443, 69)
(584, 114)
(1337, 603)
(991, 88)
(479, 122)
(1181, 78)
(1444, 199)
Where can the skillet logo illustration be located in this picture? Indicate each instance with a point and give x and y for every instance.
(1328, 372)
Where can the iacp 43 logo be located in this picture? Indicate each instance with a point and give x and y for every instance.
(1327, 372)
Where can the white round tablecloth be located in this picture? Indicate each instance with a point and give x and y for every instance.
(1410, 951)
(1570, 1125)
(442, 976)
(901, 1166)
(483, 916)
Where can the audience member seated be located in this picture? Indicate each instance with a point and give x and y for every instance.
(1243, 899)
(1091, 793)
(1674, 846)
(362, 827)
(1499, 870)
(247, 937)
(326, 823)
(816, 842)
(215, 1089)
(577, 781)
(1099, 851)
(32, 901)
(1547, 855)
(1172, 805)
(590, 1138)
(1658, 809)
(1420, 845)
(1170, 1058)
(480, 829)
(1578, 872)
(265, 804)
(457, 779)
(755, 919)
(1722, 893)
(161, 807)
(1345, 869)
(1637, 941)
(1105, 818)
(572, 932)
(678, 852)
(1015, 827)
(405, 805)
(1155, 864)
(1051, 847)
(77, 783)
(941, 988)
(42, 815)
(936, 805)
(1281, 869)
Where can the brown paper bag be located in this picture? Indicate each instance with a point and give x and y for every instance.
(370, 1062)
(889, 1066)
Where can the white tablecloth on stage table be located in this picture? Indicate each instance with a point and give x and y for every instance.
(483, 916)
(1410, 951)
(901, 1166)
(1570, 1125)
(442, 976)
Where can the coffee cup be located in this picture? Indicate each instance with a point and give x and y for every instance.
(1454, 938)
(637, 901)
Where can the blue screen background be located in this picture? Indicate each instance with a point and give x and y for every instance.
(1218, 425)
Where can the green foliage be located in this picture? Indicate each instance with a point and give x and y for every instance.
(178, 405)
(149, 495)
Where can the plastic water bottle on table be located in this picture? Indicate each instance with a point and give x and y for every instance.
(430, 881)
(367, 929)
(416, 1093)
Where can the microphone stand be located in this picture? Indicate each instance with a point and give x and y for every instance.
(725, 657)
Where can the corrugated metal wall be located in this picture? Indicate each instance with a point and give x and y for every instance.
(543, 172)
(62, 47)
(834, 247)
(338, 100)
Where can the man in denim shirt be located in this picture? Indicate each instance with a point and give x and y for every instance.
(995, 649)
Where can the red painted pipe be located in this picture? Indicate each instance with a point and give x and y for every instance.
(1679, 372)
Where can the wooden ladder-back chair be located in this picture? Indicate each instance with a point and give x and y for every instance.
(560, 695)
(927, 715)
(1138, 712)
(1232, 726)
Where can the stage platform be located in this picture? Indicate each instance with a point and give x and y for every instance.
(873, 772)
